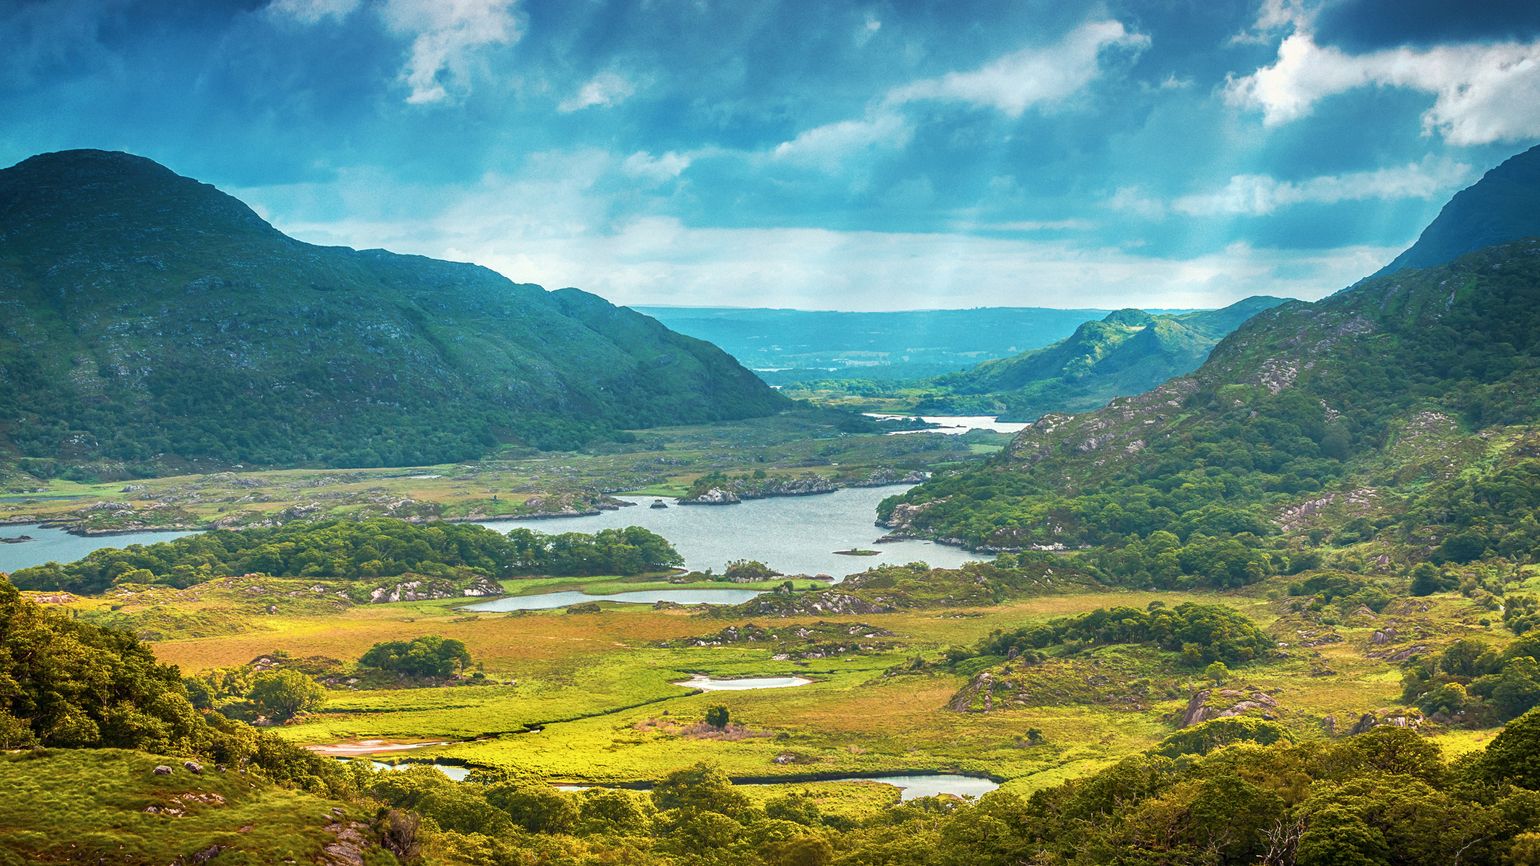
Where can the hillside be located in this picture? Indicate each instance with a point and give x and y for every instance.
(794, 345)
(1500, 208)
(154, 323)
(1409, 395)
(1127, 352)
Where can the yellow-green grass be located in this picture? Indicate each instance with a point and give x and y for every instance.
(601, 685)
(90, 806)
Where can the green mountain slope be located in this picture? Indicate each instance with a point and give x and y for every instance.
(1419, 387)
(1499, 208)
(1127, 352)
(151, 322)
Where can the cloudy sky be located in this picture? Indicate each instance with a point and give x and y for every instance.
(827, 155)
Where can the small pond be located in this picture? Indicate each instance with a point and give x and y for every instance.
(550, 600)
(910, 787)
(453, 771)
(741, 684)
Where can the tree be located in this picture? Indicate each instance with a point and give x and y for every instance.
(1216, 673)
(426, 656)
(717, 717)
(1426, 580)
(537, 808)
(1514, 755)
(1521, 613)
(280, 695)
(699, 788)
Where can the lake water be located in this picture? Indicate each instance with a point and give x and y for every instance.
(741, 684)
(56, 545)
(550, 600)
(955, 425)
(792, 534)
(909, 787)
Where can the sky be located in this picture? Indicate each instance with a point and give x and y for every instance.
(810, 154)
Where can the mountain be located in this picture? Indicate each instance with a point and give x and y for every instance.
(1501, 207)
(1127, 352)
(151, 322)
(793, 345)
(1407, 405)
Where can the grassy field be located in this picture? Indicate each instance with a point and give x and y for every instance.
(599, 687)
(134, 816)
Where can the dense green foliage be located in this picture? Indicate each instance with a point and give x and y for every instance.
(1477, 685)
(1128, 352)
(1201, 633)
(630, 550)
(1232, 792)
(357, 549)
(426, 656)
(155, 322)
(71, 684)
(1205, 737)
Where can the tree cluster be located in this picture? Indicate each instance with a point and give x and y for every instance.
(1201, 633)
(358, 549)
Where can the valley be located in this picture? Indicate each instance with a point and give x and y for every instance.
(330, 555)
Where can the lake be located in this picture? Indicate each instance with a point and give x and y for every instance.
(792, 534)
(56, 545)
(550, 600)
(955, 425)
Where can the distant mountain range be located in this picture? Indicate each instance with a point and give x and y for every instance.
(796, 345)
(1126, 352)
(149, 323)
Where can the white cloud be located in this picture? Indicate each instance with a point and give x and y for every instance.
(603, 90)
(312, 11)
(1279, 16)
(1064, 225)
(445, 34)
(553, 226)
(659, 168)
(867, 30)
(1132, 199)
(1482, 92)
(831, 143)
(1256, 194)
(1032, 76)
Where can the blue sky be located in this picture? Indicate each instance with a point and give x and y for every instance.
(810, 154)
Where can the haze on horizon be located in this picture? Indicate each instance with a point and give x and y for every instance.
(816, 156)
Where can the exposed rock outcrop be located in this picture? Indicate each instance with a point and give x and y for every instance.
(1224, 703)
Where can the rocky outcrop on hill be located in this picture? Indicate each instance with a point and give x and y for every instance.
(425, 588)
(1224, 703)
(814, 641)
